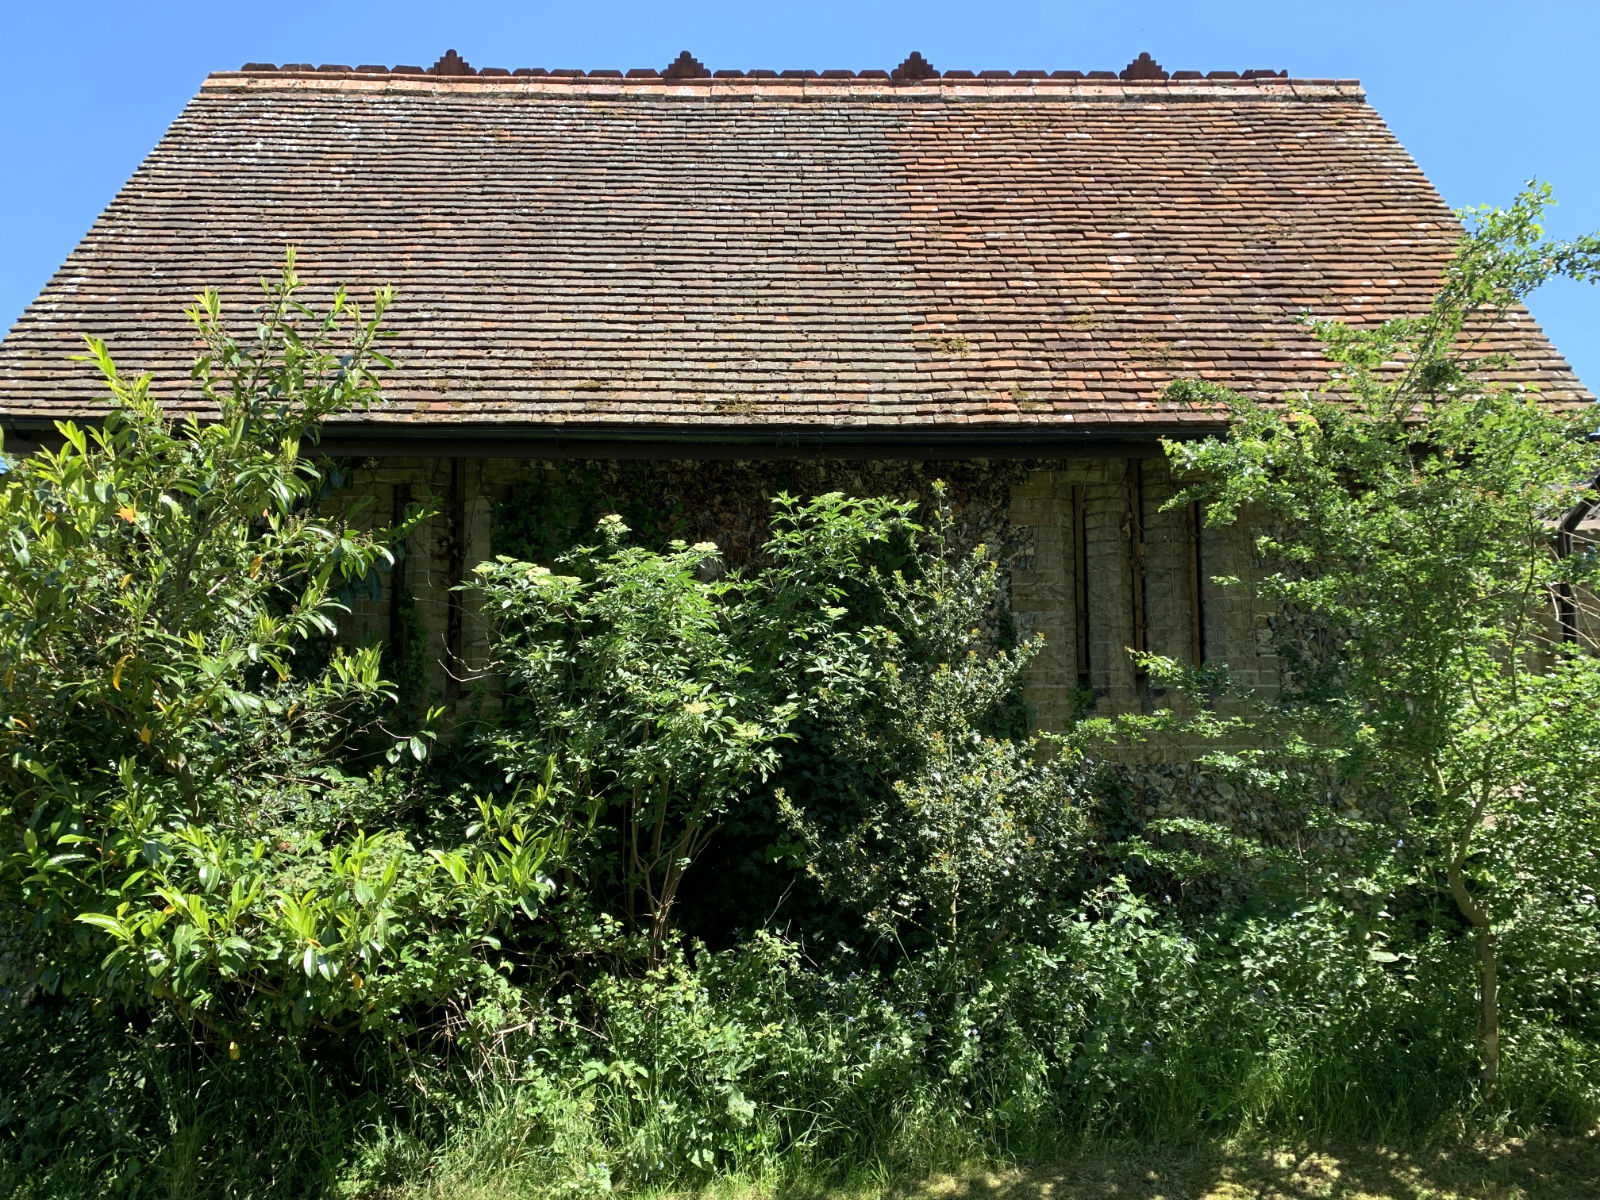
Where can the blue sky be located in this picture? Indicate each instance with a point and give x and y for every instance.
(1484, 95)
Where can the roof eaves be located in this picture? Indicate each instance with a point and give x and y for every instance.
(1113, 439)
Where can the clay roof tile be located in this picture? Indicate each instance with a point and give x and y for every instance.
(857, 248)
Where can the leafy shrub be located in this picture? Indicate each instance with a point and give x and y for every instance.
(170, 694)
(955, 836)
(624, 676)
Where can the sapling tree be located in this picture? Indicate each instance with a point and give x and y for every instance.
(1417, 512)
(666, 687)
(620, 666)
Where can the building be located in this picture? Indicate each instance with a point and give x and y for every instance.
(716, 283)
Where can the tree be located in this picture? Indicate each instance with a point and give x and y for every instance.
(1417, 515)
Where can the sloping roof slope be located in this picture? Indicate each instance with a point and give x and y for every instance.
(673, 251)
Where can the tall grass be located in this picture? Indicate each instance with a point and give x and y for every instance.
(755, 1066)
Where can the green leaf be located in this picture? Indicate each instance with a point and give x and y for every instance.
(110, 924)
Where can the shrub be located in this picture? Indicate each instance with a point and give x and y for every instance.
(953, 835)
(173, 707)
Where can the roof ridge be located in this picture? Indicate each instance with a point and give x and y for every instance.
(688, 69)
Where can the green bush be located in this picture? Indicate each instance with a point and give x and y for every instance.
(197, 813)
(950, 834)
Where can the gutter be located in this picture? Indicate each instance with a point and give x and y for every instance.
(364, 440)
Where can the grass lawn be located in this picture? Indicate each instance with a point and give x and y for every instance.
(1543, 1167)
(1538, 1168)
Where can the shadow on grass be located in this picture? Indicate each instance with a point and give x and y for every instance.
(1541, 1167)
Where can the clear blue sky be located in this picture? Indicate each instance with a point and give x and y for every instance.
(1484, 95)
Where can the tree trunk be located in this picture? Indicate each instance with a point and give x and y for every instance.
(1488, 979)
(1483, 931)
(1488, 1008)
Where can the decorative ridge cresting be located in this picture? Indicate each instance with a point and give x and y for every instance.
(451, 63)
(686, 66)
(915, 69)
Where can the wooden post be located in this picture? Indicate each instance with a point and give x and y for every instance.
(1136, 558)
(1197, 587)
(1080, 580)
(456, 570)
(399, 594)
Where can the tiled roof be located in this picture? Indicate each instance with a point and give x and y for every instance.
(726, 252)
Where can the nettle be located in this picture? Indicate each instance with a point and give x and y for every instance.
(173, 706)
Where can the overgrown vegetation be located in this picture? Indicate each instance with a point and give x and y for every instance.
(1420, 519)
(262, 938)
(192, 765)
